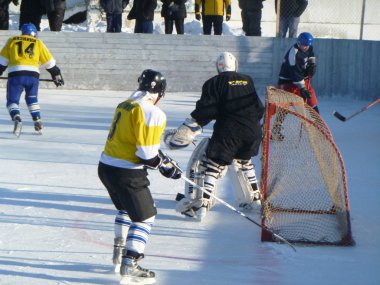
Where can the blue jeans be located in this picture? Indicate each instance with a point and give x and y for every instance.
(15, 86)
(144, 27)
(290, 24)
(114, 23)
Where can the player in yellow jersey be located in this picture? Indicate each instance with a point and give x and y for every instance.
(132, 146)
(22, 55)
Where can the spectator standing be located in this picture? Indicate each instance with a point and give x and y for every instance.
(31, 11)
(212, 14)
(4, 13)
(174, 12)
(251, 11)
(143, 12)
(55, 10)
(290, 13)
(114, 10)
(132, 147)
(22, 55)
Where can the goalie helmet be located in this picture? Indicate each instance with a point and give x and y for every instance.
(29, 29)
(305, 39)
(152, 81)
(226, 62)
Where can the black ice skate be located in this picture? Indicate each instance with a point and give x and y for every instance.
(119, 245)
(17, 125)
(132, 273)
(38, 125)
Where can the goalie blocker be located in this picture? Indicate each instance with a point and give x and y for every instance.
(244, 184)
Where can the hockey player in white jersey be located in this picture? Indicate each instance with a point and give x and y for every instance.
(231, 100)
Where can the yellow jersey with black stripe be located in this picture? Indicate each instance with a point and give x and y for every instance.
(25, 53)
(135, 133)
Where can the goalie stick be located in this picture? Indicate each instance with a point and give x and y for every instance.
(343, 118)
(228, 205)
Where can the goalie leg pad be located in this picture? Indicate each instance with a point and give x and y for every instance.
(245, 185)
(195, 170)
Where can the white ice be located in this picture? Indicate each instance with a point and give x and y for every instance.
(56, 219)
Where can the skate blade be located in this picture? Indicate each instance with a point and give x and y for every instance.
(117, 268)
(129, 280)
(17, 129)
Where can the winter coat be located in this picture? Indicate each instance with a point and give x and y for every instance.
(114, 6)
(53, 5)
(168, 11)
(143, 10)
(213, 7)
(4, 4)
(292, 8)
(249, 5)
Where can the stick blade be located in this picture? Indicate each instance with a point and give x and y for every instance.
(339, 116)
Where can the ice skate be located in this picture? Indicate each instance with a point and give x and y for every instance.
(255, 202)
(17, 125)
(119, 245)
(132, 273)
(38, 125)
(202, 211)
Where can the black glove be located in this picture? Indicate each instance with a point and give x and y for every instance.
(2, 69)
(198, 16)
(168, 167)
(228, 18)
(311, 67)
(56, 75)
(305, 93)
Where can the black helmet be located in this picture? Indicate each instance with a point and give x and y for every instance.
(152, 81)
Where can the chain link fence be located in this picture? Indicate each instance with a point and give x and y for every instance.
(339, 19)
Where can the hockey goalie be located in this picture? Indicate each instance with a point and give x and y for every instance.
(229, 99)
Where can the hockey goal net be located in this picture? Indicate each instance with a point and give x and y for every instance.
(303, 177)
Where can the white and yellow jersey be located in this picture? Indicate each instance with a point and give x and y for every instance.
(135, 133)
(25, 53)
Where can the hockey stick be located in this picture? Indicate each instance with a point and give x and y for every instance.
(228, 205)
(343, 118)
(46, 80)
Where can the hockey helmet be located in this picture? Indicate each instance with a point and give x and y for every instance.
(226, 62)
(29, 29)
(305, 39)
(152, 81)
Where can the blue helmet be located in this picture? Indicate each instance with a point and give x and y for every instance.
(29, 29)
(305, 39)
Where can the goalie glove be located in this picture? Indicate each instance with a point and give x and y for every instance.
(185, 134)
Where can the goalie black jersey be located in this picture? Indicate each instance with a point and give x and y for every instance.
(230, 98)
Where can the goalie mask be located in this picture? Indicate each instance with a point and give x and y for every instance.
(153, 82)
(226, 62)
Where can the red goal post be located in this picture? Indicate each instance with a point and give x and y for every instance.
(303, 179)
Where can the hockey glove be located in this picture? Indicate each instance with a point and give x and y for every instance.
(56, 75)
(311, 67)
(2, 69)
(168, 167)
(185, 134)
(305, 93)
